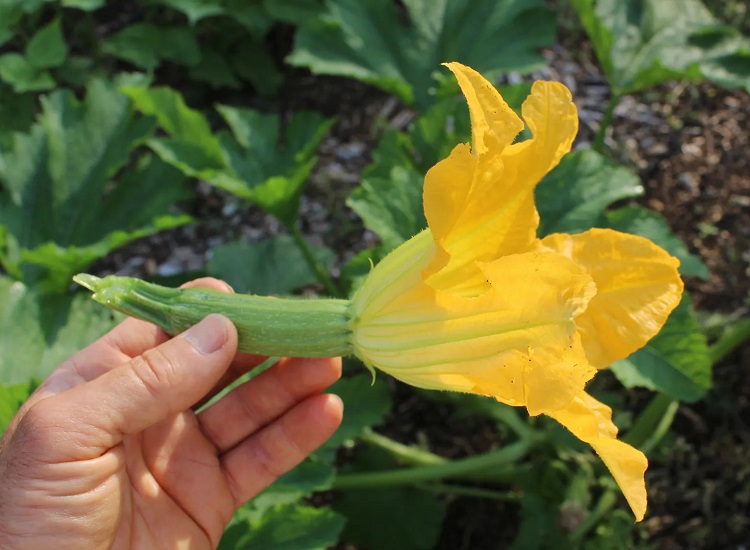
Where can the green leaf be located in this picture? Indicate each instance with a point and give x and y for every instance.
(38, 332)
(296, 12)
(641, 43)
(258, 161)
(189, 130)
(146, 45)
(11, 399)
(313, 474)
(391, 207)
(399, 518)
(358, 268)
(251, 15)
(273, 162)
(16, 114)
(9, 17)
(252, 61)
(215, 69)
(371, 41)
(366, 403)
(274, 266)
(47, 48)
(539, 527)
(84, 5)
(544, 489)
(27, 6)
(675, 362)
(76, 71)
(305, 479)
(285, 527)
(389, 198)
(58, 207)
(653, 226)
(573, 197)
(22, 75)
(195, 10)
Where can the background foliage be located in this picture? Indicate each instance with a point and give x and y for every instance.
(116, 120)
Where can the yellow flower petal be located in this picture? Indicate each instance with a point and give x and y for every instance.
(552, 118)
(481, 206)
(591, 421)
(475, 215)
(494, 125)
(638, 286)
(516, 342)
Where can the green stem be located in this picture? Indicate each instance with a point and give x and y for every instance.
(653, 423)
(598, 143)
(281, 327)
(455, 468)
(508, 416)
(730, 340)
(321, 273)
(602, 508)
(404, 453)
(476, 492)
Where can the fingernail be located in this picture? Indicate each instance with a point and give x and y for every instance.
(209, 335)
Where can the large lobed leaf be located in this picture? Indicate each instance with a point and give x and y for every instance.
(574, 195)
(258, 161)
(641, 43)
(58, 209)
(398, 51)
(40, 331)
(274, 266)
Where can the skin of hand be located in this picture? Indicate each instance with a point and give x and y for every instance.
(110, 453)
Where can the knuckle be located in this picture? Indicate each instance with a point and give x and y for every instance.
(156, 371)
(278, 451)
(33, 430)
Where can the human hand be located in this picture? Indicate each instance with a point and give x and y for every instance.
(108, 452)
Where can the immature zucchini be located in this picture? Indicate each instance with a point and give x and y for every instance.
(290, 327)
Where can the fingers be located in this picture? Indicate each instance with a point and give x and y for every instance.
(132, 337)
(256, 462)
(254, 404)
(129, 339)
(149, 388)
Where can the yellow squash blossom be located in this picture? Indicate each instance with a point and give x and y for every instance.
(477, 303)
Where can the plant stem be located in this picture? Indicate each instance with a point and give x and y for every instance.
(653, 423)
(730, 340)
(598, 143)
(455, 468)
(476, 492)
(321, 273)
(508, 416)
(404, 453)
(603, 506)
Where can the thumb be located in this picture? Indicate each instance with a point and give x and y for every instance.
(159, 383)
